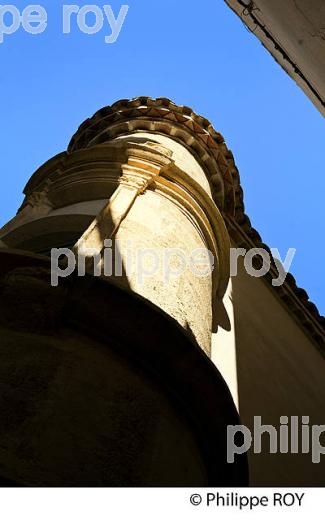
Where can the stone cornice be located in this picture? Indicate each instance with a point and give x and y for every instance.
(162, 116)
(198, 135)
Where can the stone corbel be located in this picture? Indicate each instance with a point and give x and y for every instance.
(37, 205)
(145, 162)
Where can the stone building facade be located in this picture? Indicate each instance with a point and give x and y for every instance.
(130, 379)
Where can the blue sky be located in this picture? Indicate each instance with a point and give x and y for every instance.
(198, 54)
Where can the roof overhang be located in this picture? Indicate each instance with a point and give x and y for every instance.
(293, 31)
